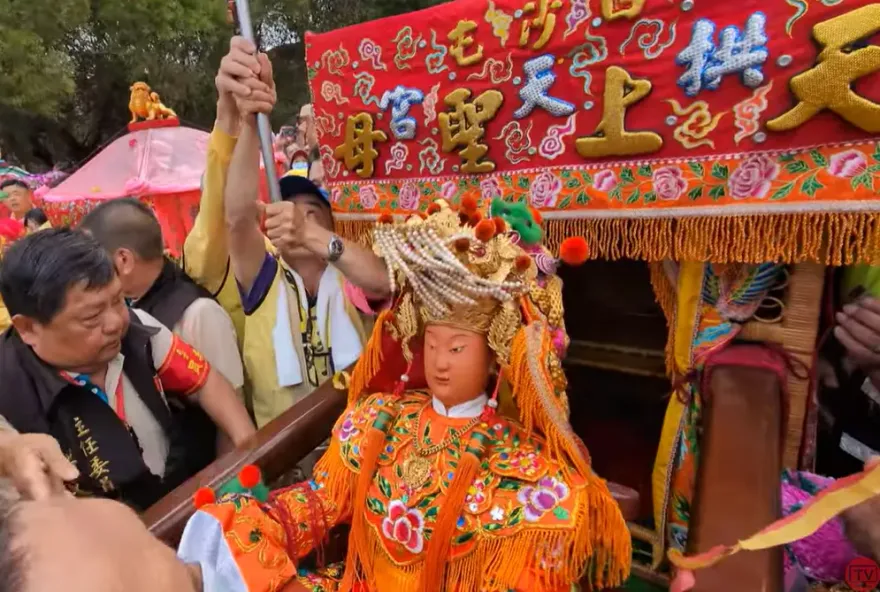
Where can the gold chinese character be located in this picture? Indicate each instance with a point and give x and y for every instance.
(81, 429)
(183, 354)
(615, 9)
(98, 467)
(106, 484)
(546, 21)
(357, 151)
(89, 446)
(462, 39)
(464, 126)
(828, 84)
(611, 137)
(195, 367)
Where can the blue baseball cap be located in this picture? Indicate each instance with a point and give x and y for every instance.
(293, 185)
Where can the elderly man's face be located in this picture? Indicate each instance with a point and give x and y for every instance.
(86, 334)
(79, 545)
(19, 200)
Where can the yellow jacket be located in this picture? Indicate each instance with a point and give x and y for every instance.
(206, 260)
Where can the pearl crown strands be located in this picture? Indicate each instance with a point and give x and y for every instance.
(438, 277)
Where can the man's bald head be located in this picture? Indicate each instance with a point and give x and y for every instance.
(12, 557)
(126, 223)
(85, 545)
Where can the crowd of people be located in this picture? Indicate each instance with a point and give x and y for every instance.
(125, 373)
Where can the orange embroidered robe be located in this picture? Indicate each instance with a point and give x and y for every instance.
(524, 524)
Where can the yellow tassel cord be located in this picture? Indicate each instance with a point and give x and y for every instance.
(359, 560)
(437, 553)
(604, 532)
(665, 294)
(371, 359)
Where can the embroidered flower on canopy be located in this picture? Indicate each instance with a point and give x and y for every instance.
(605, 180)
(409, 196)
(490, 188)
(847, 164)
(544, 190)
(405, 526)
(367, 196)
(542, 498)
(668, 183)
(753, 178)
(448, 190)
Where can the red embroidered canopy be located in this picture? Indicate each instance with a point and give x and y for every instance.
(701, 130)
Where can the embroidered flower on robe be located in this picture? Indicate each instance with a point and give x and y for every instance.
(405, 526)
(476, 495)
(347, 429)
(542, 498)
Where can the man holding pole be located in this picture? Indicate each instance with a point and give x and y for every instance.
(302, 287)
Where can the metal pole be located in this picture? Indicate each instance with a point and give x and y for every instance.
(264, 127)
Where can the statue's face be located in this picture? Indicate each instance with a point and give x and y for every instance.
(457, 364)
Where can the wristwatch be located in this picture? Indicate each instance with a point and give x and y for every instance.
(335, 248)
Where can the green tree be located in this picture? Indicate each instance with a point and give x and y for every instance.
(67, 65)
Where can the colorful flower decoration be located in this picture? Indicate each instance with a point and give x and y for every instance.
(543, 498)
(405, 526)
(753, 178)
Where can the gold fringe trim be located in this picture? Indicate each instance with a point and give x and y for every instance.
(832, 238)
(370, 361)
(598, 544)
(664, 293)
(540, 408)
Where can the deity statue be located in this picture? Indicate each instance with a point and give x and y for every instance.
(454, 463)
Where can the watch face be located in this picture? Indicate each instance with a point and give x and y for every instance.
(336, 247)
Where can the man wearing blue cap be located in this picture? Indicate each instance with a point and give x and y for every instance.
(302, 287)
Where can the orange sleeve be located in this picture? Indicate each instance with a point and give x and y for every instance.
(184, 370)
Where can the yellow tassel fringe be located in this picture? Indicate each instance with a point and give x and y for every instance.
(556, 559)
(825, 237)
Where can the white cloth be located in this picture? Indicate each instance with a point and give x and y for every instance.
(203, 543)
(467, 410)
(335, 327)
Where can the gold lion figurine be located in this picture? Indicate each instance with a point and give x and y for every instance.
(145, 104)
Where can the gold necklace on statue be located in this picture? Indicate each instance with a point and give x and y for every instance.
(417, 468)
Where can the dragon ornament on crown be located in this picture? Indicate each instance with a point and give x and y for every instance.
(146, 104)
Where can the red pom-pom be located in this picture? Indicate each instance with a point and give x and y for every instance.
(522, 263)
(500, 225)
(474, 218)
(386, 218)
(463, 218)
(469, 203)
(462, 245)
(574, 250)
(203, 497)
(433, 209)
(485, 230)
(539, 220)
(11, 229)
(249, 476)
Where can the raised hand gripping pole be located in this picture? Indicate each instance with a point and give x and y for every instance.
(264, 127)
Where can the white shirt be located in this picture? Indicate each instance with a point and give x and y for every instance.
(467, 410)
